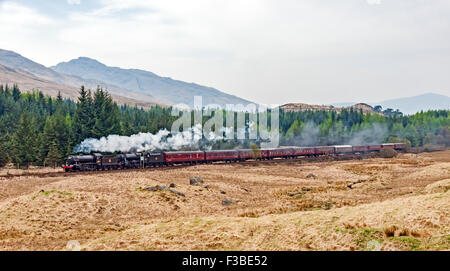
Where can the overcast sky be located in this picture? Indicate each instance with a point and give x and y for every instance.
(268, 51)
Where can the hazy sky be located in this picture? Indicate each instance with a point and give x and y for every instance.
(269, 51)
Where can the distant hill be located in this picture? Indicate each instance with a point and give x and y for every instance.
(16, 61)
(28, 82)
(145, 82)
(299, 107)
(412, 105)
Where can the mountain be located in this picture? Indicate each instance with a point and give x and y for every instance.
(16, 61)
(145, 82)
(412, 105)
(29, 82)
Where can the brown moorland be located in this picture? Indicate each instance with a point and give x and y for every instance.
(389, 204)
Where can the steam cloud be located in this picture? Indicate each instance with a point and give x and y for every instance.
(374, 134)
(311, 136)
(163, 140)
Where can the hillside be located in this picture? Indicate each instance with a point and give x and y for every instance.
(411, 105)
(28, 82)
(425, 102)
(299, 107)
(146, 82)
(42, 73)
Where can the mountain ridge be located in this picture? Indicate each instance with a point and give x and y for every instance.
(412, 104)
(142, 81)
(28, 82)
(14, 60)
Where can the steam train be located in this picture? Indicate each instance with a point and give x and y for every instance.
(99, 161)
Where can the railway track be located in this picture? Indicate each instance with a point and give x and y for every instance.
(323, 158)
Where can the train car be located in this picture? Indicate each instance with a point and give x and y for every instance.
(265, 154)
(221, 155)
(401, 146)
(249, 154)
(80, 163)
(279, 153)
(105, 162)
(321, 150)
(361, 149)
(303, 151)
(154, 159)
(388, 146)
(184, 157)
(375, 148)
(343, 149)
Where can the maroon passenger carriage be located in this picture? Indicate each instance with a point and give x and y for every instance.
(323, 150)
(226, 156)
(278, 153)
(361, 149)
(375, 148)
(303, 151)
(343, 149)
(185, 157)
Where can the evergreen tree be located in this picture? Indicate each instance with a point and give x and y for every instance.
(105, 114)
(4, 158)
(16, 93)
(84, 117)
(53, 155)
(24, 141)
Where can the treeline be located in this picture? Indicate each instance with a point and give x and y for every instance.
(39, 130)
(353, 127)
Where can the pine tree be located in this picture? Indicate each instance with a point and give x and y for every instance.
(53, 156)
(16, 93)
(84, 118)
(4, 150)
(24, 141)
(59, 98)
(106, 115)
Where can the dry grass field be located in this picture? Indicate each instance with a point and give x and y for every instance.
(388, 204)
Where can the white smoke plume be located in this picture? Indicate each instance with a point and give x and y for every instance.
(376, 133)
(163, 140)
